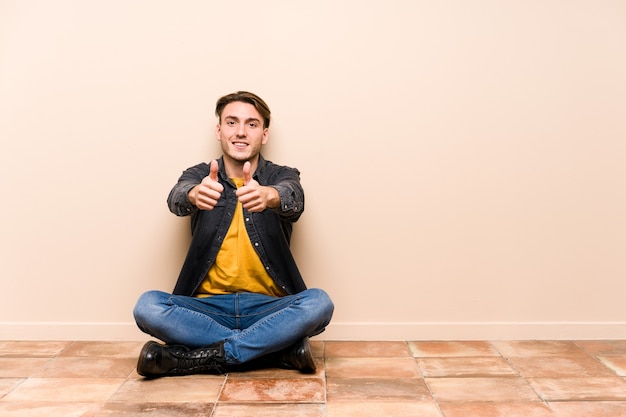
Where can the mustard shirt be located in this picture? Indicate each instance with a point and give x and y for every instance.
(237, 267)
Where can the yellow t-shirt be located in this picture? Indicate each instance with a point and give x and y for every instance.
(237, 267)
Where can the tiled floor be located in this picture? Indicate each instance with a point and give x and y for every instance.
(400, 379)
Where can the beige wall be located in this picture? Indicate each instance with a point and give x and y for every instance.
(463, 160)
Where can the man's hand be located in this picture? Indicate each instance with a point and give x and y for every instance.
(255, 197)
(205, 195)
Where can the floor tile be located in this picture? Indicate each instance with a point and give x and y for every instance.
(182, 409)
(383, 409)
(270, 410)
(310, 390)
(604, 347)
(172, 389)
(65, 389)
(374, 389)
(317, 347)
(48, 409)
(507, 409)
(481, 389)
(366, 349)
(578, 389)
(589, 409)
(9, 384)
(103, 349)
(371, 368)
(465, 367)
(21, 367)
(616, 363)
(34, 349)
(278, 372)
(527, 348)
(559, 366)
(83, 367)
(441, 349)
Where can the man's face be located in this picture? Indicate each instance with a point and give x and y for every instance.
(241, 132)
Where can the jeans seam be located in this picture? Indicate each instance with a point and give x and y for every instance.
(191, 307)
(274, 306)
(249, 329)
(201, 315)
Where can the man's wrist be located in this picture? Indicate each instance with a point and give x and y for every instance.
(191, 195)
(273, 197)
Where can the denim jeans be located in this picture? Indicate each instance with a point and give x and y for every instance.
(250, 325)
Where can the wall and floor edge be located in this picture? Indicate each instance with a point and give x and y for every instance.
(381, 331)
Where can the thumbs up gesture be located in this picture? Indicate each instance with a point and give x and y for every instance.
(247, 175)
(206, 194)
(253, 196)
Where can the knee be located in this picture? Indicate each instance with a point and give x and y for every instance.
(148, 305)
(321, 302)
(320, 307)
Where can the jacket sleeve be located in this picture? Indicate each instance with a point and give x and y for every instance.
(178, 199)
(287, 182)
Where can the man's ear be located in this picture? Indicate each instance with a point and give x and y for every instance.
(217, 132)
(266, 136)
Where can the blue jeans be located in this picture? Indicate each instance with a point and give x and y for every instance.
(250, 325)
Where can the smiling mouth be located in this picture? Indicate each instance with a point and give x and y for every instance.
(240, 145)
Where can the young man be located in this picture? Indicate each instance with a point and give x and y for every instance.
(239, 299)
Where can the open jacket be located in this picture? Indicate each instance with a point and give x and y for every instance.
(269, 230)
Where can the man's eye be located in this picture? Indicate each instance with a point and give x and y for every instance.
(252, 124)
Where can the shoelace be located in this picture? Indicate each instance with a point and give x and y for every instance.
(205, 358)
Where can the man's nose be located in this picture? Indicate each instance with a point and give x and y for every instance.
(241, 131)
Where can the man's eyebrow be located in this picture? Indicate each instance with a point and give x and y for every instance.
(252, 119)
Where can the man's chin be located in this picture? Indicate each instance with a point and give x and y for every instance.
(240, 158)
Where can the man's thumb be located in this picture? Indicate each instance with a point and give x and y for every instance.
(246, 173)
(214, 168)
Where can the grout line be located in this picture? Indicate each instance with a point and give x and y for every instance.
(518, 373)
(325, 378)
(432, 396)
(219, 394)
(596, 357)
(423, 377)
(70, 344)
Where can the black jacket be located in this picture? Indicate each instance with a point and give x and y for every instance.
(269, 230)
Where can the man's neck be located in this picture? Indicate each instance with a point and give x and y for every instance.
(234, 169)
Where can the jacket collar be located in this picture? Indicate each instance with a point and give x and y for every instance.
(257, 174)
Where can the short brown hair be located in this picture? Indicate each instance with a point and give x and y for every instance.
(244, 97)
